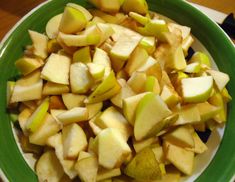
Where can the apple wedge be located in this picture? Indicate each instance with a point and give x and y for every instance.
(152, 108)
(200, 57)
(170, 96)
(208, 111)
(82, 55)
(37, 118)
(27, 88)
(148, 43)
(94, 109)
(152, 85)
(56, 69)
(144, 166)
(55, 102)
(74, 141)
(39, 44)
(27, 65)
(85, 12)
(143, 20)
(138, 6)
(96, 71)
(106, 174)
(197, 89)
(48, 128)
(52, 26)
(110, 7)
(73, 100)
(137, 82)
(112, 148)
(76, 114)
(140, 145)
(51, 88)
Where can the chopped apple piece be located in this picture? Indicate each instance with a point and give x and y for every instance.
(76, 114)
(152, 85)
(55, 102)
(23, 117)
(170, 96)
(74, 141)
(27, 88)
(48, 128)
(94, 127)
(80, 78)
(138, 6)
(104, 174)
(39, 44)
(187, 43)
(200, 57)
(87, 169)
(90, 36)
(94, 109)
(86, 13)
(111, 118)
(138, 58)
(180, 158)
(137, 82)
(51, 88)
(73, 20)
(96, 70)
(125, 92)
(129, 106)
(180, 136)
(199, 146)
(144, 166)
(149, 44)
(159, 153)
(140, 145)
(108, 88)
(68, 165)
(83, 155)
(193, 68)
(207, 111)
(123, 48)
(197, 89)
(73, 100)
(82, 55)
(151, 108)
(143, 20)
(221, 79)
(48, 167)
(56, 69)
(106, 30)
(52, 27)
(37, 118)
(110, 7)
(27, 65)
(112, 148)
(10, 89)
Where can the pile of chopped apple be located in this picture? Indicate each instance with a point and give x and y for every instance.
(108, 95)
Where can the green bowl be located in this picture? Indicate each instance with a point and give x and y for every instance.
(12, 163)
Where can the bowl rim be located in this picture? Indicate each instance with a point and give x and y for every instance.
(24, 18)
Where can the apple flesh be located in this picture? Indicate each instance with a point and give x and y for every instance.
(82, 55)
(51, 88)
(221, 79)
(148, 43)
(71, 100)
(137, 82)
(152, 85)
(139, 6)
(197, 89)
(105, 174)
(143, 20)
(96, 70)
(52, 26)
(85, 12)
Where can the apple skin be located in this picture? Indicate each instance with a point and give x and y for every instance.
(82, 55)
(197, 89)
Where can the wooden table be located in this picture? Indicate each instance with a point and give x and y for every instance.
(13, 10)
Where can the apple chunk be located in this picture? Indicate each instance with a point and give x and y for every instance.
(138, 6)
(52, 27)
(112, 148)
(221, 79)
(151, 108)
(74, 140)
(56, 69)
(197, 89)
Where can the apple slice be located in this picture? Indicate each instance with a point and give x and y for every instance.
(125, 92)
(56, 69)
(82, 55)
(51, 88)
(104, 174)
(27, 88)
(76, 114)
(27, 65)
(150, 62)
(94, 127)
(85, 12)
(87, 169)
(39, 44)
(200, 57)
(96, 70)
(73, 20)
(112, 148)
(197, 89)
(139, 6)
(130, 105)
(138, 58)
(152, 85)
(108, 88)
(137, 82)
(144, 166)
(80, 78)
(221, 79)
(111, 118)
(193, 68)
(83, 155)
(208, 111)
(170, 96)
(48, 128)
(94, 109)
(143, 20)
(73, 100)
(148, 43)
(23, 117)
(140, 145)
(151, 108)
(123, 48)
(48, 167)
(52, 27)
(90, 36)
(37, 118)
(106, 30)
(74, 141)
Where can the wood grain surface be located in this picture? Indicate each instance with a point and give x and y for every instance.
(12, 11)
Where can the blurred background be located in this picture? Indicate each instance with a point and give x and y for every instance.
(13, 10)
